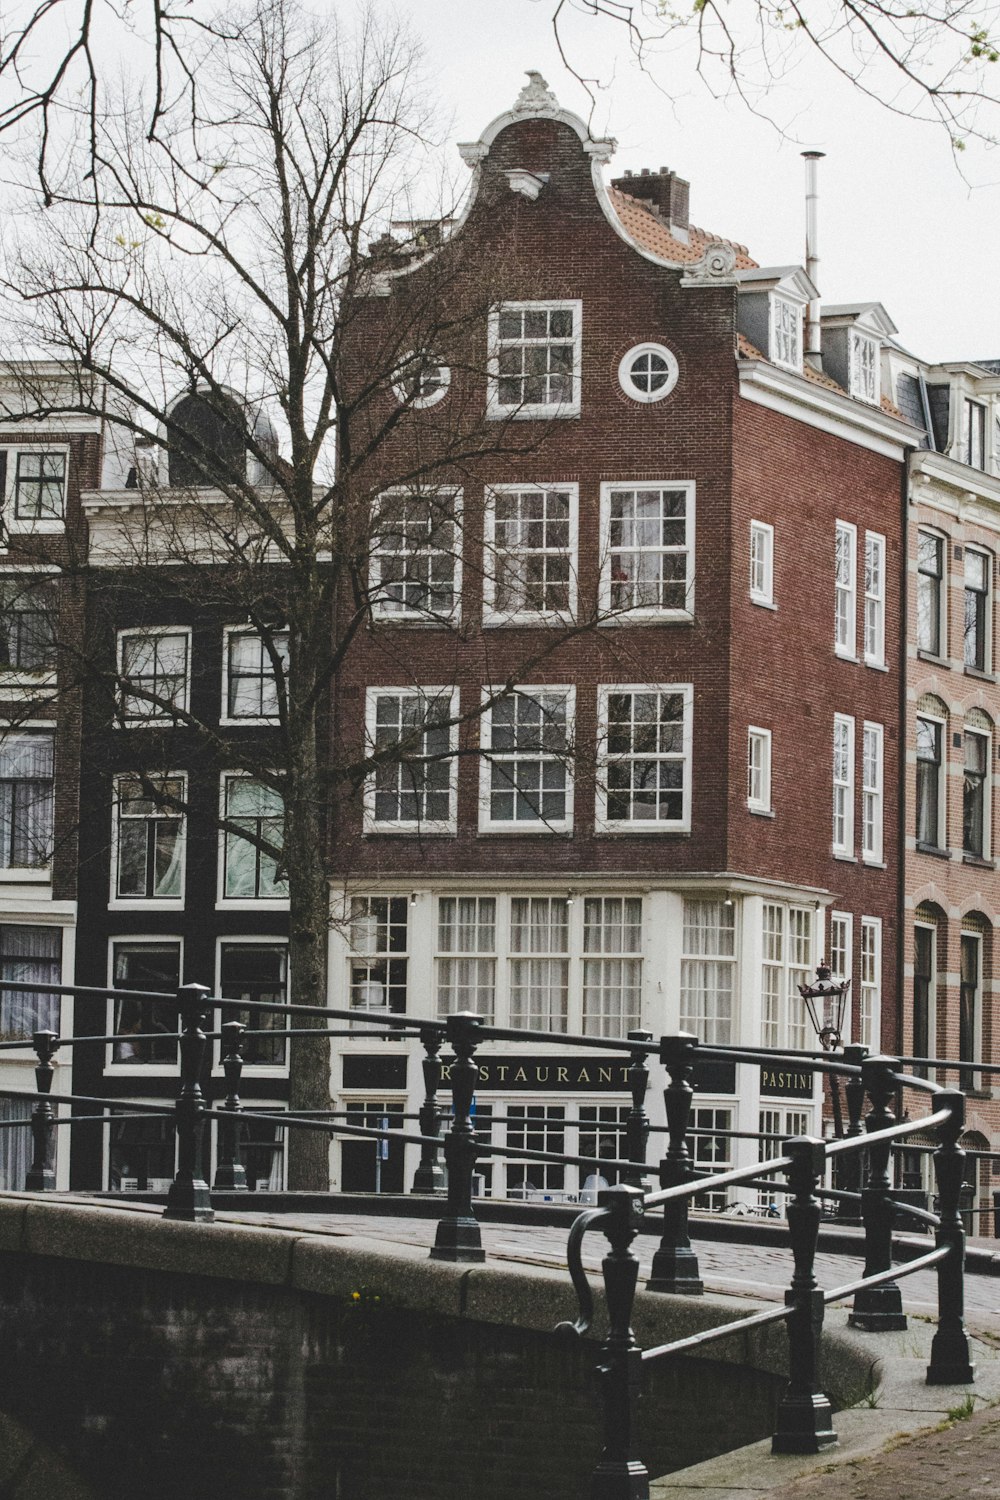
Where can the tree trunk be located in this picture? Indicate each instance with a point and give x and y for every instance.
(309, 918)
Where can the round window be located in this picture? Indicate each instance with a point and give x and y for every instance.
(420, 380)
(648, 372)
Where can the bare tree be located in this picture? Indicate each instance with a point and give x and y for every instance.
(235, 266)
(935, 61)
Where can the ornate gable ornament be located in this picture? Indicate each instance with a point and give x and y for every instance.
(717, 267)
(536, 98)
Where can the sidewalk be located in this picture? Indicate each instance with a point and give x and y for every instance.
(913, 1442)
(961, 1459)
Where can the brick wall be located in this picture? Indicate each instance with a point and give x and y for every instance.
(162, 1385)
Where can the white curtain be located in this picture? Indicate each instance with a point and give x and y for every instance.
(31, 954)
(15, 1144)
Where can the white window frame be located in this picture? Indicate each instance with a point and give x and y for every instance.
(935, 584)
(146, 903)
(759, 769)
(845, 921)
(786, 949)
(156, 715)
(610, 613)
(27, 581)
(974, 442)
(626, 379)
(449, 825)
(140, 1069)
(530, 410)
(46, 525)
(37, 873)
(107, 1118)
(706, 973)
(872, 792)
(987, 559)
(874, 624)
(384, 609)
(983, 734)
(843, 814)
(932, 988)
(487, 823)
(864, 374)
(941, 840)
(358, 956)
(975, 1080)
(492, 613)
(605, 824)
(256, 940)
(227, 636)
(845, 639)
(785, 332)
(870, 989)
(485, 959)
(762, 563)
(426, 362)
(599, 966)
(239, 903)
(553, 958)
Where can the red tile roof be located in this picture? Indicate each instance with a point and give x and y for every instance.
(654, 235)
(746, 350)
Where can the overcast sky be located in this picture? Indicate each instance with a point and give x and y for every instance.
(897, 222)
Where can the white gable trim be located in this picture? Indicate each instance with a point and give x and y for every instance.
(794, 396)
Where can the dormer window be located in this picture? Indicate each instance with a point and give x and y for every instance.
(863, 367)
(786, 333)
(207, 440)
(974, 442)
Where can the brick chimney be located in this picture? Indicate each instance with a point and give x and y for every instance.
(664, 192)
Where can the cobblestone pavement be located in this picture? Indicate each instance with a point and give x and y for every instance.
(956, 1462)
(757, 1271)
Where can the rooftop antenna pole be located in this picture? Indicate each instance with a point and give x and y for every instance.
(813, 350)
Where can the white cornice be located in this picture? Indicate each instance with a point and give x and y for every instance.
(585, 881)
(963, 483)
(828, 411)
(51, 426)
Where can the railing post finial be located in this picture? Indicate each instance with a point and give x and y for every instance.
(189, 1197)
(675, 1265)
(805, 1417)
(41, 1176)
(458, 1237)
(878, 1309)
(951, 1363)
(619, 1474)
(429, 1176)
(850, 1167)
(637, 1125)
(230, 1173)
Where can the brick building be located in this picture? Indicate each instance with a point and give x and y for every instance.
(180, 701)
(51, 447)
(637, 675)
(947, 994)
(691, 577)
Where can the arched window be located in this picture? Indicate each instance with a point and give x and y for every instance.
(977, 743)
(929, 960)
(211, 442)
(974, 965)
(932, 727)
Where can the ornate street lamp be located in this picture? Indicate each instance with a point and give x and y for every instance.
(825, 1001)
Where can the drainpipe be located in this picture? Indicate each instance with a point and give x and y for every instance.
(813, 349)
(903, 654)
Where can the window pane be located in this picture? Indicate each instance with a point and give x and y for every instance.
(146, 1028)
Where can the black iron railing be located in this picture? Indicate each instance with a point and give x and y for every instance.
(804, 1418)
